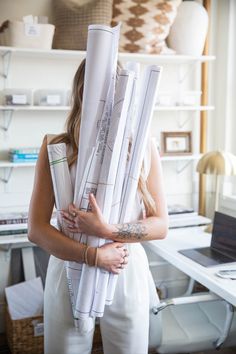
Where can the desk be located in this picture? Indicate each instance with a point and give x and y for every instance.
(192, 237)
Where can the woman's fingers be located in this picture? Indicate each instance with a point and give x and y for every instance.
(73, 229)
(113, 257)
(93, 203)
(66, 216)
(72, 210)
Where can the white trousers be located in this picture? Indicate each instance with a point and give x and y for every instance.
(125, 324)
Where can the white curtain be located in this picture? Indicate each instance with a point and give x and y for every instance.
(222, 122)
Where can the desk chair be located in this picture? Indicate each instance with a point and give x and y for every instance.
(192, 323)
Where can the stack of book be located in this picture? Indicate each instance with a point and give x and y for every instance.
(17, 223)
(24, 154)
(13, 223)
(182, 216)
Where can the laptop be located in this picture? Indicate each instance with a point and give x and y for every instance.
(223, 243)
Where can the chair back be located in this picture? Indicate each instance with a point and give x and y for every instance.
(155, 321)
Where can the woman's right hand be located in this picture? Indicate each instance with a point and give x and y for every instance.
(113, 257)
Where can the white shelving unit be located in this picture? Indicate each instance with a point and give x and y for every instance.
(71, 54)
(181, 157)
(8, 164)
(34, 108)
(67, 108)
(10, 56)
(184, 108)
(9, 110)
(11, 165)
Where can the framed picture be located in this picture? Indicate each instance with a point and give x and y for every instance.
(176, 143)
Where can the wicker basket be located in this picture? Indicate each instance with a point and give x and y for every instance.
(22, 335)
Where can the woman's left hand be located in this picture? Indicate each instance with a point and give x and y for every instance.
(88, 222)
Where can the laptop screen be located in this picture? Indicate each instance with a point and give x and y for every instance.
(224, 234)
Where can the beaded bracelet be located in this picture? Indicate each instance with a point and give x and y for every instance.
(83, 256)
(86, 255)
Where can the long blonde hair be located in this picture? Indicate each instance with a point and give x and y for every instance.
(71, 136)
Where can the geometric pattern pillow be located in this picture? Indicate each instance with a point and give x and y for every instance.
(145, 24)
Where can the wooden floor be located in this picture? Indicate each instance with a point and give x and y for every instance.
(98, 348)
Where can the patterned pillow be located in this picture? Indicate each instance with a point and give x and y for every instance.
(72, 18)
(145, 24)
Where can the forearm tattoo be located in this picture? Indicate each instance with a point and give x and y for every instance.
(129, 231)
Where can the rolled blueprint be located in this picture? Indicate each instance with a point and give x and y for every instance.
(99, 87)
(63, 192)
(145, 111)
(108, 175)
(87, 301)
(100, 70)
(147, 99)
(60, 177)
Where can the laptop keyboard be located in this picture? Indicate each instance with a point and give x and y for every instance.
(217, 256)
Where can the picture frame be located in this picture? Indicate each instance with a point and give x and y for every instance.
(176, 143)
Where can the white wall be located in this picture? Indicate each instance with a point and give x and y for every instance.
(222, 122)
(15, 9)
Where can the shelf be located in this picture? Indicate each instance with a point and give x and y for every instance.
(13, 239)
(181, 157)
(8, 164)
(184, 108)
(76, 54)
(182, 161)
(67, 108)
(34, 108)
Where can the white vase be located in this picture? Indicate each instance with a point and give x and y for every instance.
(188, 32)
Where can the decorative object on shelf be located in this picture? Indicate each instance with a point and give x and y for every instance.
(165, 98)
(16, 97)
(145, 24)
(176, 143)
(31, 32)
(179, 209)
(180, 98)
(189, 30)
(51, 97)
(72, 18)
(13, 218)
(189, 98)
(23, 154)
(218, 163)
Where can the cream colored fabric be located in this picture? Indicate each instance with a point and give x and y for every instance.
(125, 324)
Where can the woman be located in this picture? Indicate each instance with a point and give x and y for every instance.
(125, 324)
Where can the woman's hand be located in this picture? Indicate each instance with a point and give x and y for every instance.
(113, 257)
(88, 222)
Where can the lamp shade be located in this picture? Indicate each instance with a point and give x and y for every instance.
(217, 163)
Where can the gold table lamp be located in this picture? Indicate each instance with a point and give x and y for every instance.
(218, 163)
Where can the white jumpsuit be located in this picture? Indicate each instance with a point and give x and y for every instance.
(125, 324)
